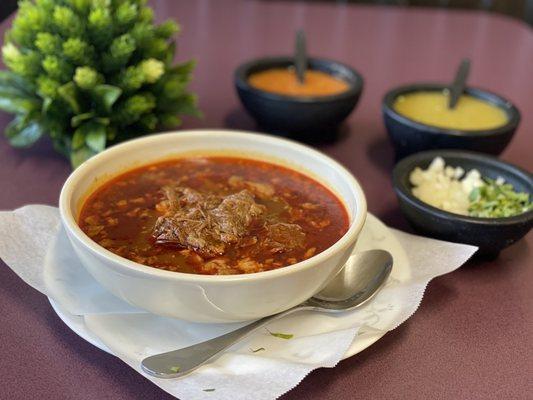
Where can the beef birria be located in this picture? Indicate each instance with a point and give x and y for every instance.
(214, 215)
(207, 223)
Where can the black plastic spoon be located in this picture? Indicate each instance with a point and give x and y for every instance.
(459, 83)
(300, 56)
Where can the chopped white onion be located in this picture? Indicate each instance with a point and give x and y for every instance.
(441, 186)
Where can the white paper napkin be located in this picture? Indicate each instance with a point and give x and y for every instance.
(33, 245)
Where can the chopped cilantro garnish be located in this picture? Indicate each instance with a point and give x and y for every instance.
(175, 369)
(496, 200)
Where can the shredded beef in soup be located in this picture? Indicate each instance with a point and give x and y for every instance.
(214, 215)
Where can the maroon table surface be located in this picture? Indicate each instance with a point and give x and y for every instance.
(471, 337)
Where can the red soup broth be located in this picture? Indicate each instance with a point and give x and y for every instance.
(291, 216)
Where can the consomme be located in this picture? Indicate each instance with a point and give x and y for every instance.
(431, 108)
(284, 81)
(214, 215)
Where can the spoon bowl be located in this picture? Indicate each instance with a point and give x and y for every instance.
(356, 283)
(360, 279)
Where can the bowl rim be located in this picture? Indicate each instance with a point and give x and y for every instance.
(242, 72)
(495, 99)
(356, 222)
(404, 167)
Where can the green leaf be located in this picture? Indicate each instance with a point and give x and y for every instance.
(90, 134)
(78, 139)
(13, 99)
(175, 369)
(61, 148)
(23, 133)
(183, 69)
(103, 121)
(47, 103)
(111, 133)
(8, 78)
(77, 157)
(78, 119)
(107, 95)
(96, 137)
(18, 105)
(186, 105)
(69, 93)
(209, 390)
(171, 52)
(57, 130)
(170, 120)
(7, 90)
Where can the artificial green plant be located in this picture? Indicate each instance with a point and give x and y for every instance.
(90, 73)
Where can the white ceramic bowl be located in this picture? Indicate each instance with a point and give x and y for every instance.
(211, 298)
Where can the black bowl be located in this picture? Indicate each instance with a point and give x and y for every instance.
(490, 234)
(311, 119)
(408, 136)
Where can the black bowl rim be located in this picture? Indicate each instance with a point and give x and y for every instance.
(241, 80)
(486, 95)
(406, 166)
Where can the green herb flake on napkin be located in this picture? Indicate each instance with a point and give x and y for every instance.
(285, 336)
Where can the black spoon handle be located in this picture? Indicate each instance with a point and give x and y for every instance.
(459, 83)
(300, 56)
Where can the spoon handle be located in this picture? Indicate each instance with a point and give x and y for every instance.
(458, 86)
(174, 364)
(300, 56)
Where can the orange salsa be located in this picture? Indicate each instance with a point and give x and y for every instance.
(284, 81)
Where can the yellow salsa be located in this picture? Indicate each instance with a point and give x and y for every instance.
(431, 108)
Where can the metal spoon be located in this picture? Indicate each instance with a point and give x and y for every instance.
(300, 56)
(363, 275)
(459, 83)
